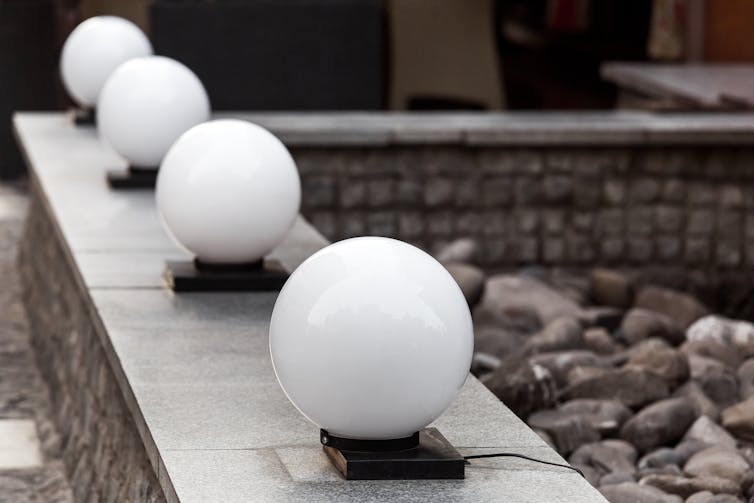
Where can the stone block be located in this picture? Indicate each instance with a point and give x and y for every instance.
(610, 222)
(352, 192)
(731, 196)
(674, 190)
(527, 221)
(380, 192)
(702, 193)
(640, 250)
(668, 218)
(729, 223)
(700, 222)
(439, 192)
(494, 223)
(381, 223)
(408, 192)
(553, 221)
(466, 192)
(353, 223)
(553, 250)
(526, 190)
(614, 191)
(440, 223)
(698, 251)
(644, 190)
(668, 248)
(579, 249)
(728, 253)
(496, 192)
(410, 225)
(320, 191)
(468, 223)
(557, 188)
(582, 221)
(640, 220)
(612, 249)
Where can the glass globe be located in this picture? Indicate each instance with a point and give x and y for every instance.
(93, 50)
(146, 104)
(371, 338)
(228, 191)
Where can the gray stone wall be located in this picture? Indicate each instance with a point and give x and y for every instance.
(681, 210)
(101, 449)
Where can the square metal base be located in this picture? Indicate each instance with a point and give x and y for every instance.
(185, 276)
(435, 458)
(84, 117)
(133, 178)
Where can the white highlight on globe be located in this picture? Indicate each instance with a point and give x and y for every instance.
(146, 104)
(93, 50)
(228, 191)
(371, 338)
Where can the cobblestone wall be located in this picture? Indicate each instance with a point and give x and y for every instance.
(102, 452)
(689, 207)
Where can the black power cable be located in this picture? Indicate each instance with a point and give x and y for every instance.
(514, 455)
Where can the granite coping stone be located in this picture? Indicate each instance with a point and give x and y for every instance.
(195, 370)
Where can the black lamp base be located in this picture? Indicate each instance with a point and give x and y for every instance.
(84, 117)
(133, 178)
(195, 276)
(424, 455)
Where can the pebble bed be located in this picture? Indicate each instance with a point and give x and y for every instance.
(641, 387)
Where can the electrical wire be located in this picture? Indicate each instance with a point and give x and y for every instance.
(515, 455)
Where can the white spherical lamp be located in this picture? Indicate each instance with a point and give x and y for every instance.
(371, 339)
(93, 50)
(228, 191)
(146, 104)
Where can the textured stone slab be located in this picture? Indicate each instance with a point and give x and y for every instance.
(195, 372)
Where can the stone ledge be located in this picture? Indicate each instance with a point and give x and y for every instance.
(510, 129)
(175, 395)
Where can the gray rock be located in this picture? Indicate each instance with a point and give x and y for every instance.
(523, 387)
(611, 288)
(605, 416)
(732, 333)
(608, 456)
(561, 362)
(568, 431)
(705, 430)
(725, 354)
(461, 250)
(662, 470)
(678, 306)
(591, 474)
(504, 292)
(708, 497)
(659, 424)
(545, 436)
(658, 458)
(717, 462)
(497, 341)
(745, 374)
(469, 278)
(520, 320)
(717, 381)
(669, 363)
(701, 402)
(685, 486)
(630, 492)
(584, 372)
(481, 363)
(640, 324)
(598, 340)
(739, 419)
(631, 386)
(558, 335)
(608, 318)
(616, 478)
(688, 448)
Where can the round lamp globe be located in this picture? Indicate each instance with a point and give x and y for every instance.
(93, 50)
(228, 191)
(371, 339)
(146, 104)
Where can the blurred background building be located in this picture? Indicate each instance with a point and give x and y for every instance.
(382, 54)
